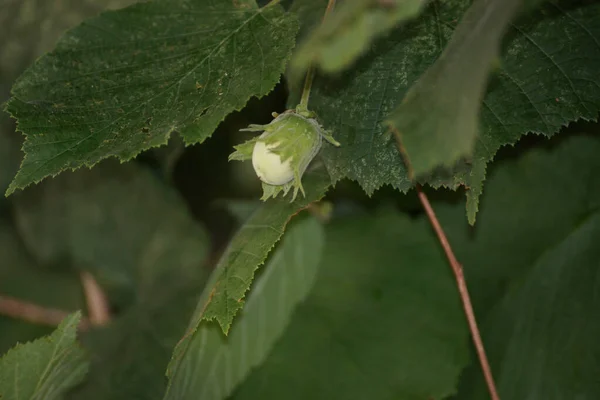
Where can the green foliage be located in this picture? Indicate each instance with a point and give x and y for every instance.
(118, 221)
(121, 83)
(45, 368)
(383, 302)
(349, 31)
(356, 299)
(225, 291)
(221, 363)
(134, 232)
(21, 277)
(535, 278)
(438, 119)
(543, 82)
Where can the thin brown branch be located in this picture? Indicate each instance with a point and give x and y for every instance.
(458, 274)
(464, 293)
(35, 314)
(97, 304)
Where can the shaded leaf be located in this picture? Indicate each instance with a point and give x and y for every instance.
(532, 269)
(224, 295)
(212, 365)
(348, 32)
(383, 320)
(129, 357)
(10, 155)
(439, 116)
(547, 324)
(21, 278)
(31, 28)
(559, 47)
(116, 220)
(121, 83)
(45, 368)
(137, 236)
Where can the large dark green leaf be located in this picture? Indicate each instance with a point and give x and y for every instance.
(547, 78)
(532, 267)
(121, 83)
(45, 368)
(249, 248)
(438, 119)
(213, 365)
(383, 320)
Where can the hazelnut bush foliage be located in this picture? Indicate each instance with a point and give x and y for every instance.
(343, 292)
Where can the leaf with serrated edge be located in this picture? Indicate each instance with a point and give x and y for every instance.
(540, 93)
(45, 368)
(437, 121)
(122, 82)
(220, 363)
(225, 291)
(348, 32)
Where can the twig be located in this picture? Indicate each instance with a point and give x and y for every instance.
(458, 274)
(97, 303)
(310, 74)
(464, 293)
(35, 314)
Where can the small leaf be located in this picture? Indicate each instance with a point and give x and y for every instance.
(224, 295)
(210, 365)
(438, 119)
(348, 32)
(383, 320)
(45, 368)
(122, 82)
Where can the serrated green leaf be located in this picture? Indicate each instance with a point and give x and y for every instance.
(532, 269)
(9, 152)
(560, 47)
(31, 28)
(438, 119)
(122, 82)
(118, 221)
(349, 31)
(45, 368)
(224, 295)
(212, 365)
(383, 321)
(546, 79)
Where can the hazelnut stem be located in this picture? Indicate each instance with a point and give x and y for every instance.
(310, 74)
